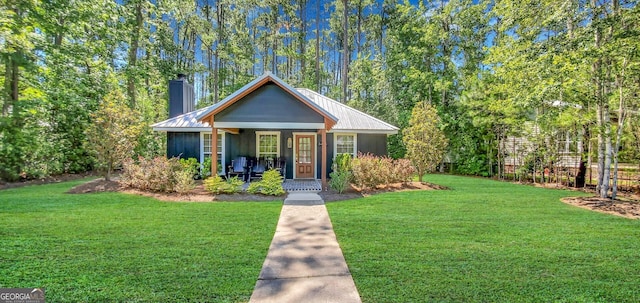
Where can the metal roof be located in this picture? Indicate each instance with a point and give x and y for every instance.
(348, 119)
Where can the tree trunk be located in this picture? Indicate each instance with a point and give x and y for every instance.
(133, 55)
(345, 48)
(359, 30)
(621, 118)
(318, 45)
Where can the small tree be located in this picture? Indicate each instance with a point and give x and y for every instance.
(424, 141)
(113, 134)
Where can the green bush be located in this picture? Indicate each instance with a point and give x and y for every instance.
(184, 181)
(340, 180)
(342, 162)
(341, 176)
(190, 165)
(206, 168)
(217, 185)
(271, 184)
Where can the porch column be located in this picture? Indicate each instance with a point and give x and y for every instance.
(323, 135)
(214, 149)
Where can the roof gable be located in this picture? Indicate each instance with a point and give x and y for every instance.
(205, 116)
(268, 103)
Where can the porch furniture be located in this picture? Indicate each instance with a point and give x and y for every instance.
(257, 168)
(238, 167)
(280, 165)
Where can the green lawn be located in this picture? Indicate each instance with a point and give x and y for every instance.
(486, 241)
(111, 247)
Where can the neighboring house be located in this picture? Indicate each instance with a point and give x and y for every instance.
(269, 118)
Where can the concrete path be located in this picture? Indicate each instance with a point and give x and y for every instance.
(305, 262)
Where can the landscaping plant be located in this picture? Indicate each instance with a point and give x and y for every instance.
(217, 185)
(370, 171)
(271, 184)
(113, 134)
(157, 174)
(425, 142)
(341, 175)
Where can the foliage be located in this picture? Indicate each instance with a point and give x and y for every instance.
(157, 174)
(217, 185)
(184, 181)
(113, 134)
(370, 171)
(205, 170)
(341, 174)
(340, 180)
(114, 239)
(485, 241)
(271, 184)
(342, 162)
(426, 143)
(402, 171)
(191, 166)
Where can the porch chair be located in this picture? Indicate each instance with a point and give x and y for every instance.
(238, 167)
(280, 165)
(257, 168)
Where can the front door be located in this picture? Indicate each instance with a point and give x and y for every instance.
(304, 156)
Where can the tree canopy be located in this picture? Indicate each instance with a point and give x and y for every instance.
(486, 66)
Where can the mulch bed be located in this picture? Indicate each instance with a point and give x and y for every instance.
(624, 208)
(199, 194)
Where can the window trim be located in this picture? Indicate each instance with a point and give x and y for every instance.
(279, 139)
(222, 152)
(335, 143)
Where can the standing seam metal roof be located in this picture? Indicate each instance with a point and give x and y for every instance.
(349, 119)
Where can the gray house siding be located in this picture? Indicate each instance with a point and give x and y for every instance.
(183, 145)
(372, 143)
(269, 103)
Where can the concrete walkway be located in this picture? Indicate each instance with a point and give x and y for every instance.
(304, 262)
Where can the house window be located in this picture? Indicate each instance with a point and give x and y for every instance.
(345, 144)
(268, 144)
(206, 149)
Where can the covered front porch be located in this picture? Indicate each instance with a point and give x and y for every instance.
(268, 119)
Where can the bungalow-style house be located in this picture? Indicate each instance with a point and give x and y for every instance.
(269, 118)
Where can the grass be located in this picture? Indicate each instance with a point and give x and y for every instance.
(112, 247)
(486, 241)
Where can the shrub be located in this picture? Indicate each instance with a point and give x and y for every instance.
(217, 185)
(206, 168)
(341, 175)
(370, 171)
(271, 184)
(157, 174)
(340, 180)
(342, 162)
(402, 171)
(184, 181)
(190, 165)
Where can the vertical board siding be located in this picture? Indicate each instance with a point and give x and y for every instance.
(183, 145)
(269, 104)
(372, 143)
